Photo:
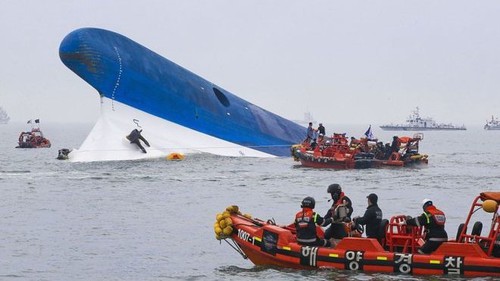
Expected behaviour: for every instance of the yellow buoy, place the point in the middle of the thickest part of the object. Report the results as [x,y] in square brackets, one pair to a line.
[227,230]
[175,156]
[219,217]
[222,224]
[232,209]
[489,206]
[218,230]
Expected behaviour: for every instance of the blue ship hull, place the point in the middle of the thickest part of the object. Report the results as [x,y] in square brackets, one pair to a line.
[128,73]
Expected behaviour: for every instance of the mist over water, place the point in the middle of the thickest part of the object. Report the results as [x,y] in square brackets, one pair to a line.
[152,219]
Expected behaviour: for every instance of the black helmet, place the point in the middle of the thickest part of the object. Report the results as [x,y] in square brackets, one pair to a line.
[334,188]
[308,202]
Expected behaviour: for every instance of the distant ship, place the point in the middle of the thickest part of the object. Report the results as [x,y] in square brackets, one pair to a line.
[4,118]
[493,124]
[417,123]
[177,110]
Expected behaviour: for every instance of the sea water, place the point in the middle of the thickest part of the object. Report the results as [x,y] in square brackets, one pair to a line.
[153,219]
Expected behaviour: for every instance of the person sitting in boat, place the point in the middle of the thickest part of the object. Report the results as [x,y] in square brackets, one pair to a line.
[433,220]
[354,143]
[321,139]
[387,151]
[372,217]
[135,136]
[313,144]
[340,212]
[305,224]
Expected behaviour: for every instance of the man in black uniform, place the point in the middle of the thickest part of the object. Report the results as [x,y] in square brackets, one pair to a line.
[372,217]
[135,136]
[321,129]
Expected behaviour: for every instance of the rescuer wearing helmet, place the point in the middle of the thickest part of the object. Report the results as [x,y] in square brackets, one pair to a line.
[433,219]
[340,212]
[305,224]
[372,217]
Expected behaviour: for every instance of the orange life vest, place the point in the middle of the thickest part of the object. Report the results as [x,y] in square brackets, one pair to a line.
[305,225]
[437,216]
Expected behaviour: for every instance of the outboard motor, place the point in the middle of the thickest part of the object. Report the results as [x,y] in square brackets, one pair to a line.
[63,154]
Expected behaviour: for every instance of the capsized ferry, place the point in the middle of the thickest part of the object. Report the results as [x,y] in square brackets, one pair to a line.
[415,122]
[473,253]
[178,111]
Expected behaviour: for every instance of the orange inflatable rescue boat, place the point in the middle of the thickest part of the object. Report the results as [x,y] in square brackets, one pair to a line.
[395,251]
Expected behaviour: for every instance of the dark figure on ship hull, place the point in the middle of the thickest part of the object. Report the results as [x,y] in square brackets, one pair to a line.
[433,219]
[340,212]
[135,137]
[305,224]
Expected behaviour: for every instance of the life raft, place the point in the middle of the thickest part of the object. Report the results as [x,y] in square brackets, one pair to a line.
[175,156]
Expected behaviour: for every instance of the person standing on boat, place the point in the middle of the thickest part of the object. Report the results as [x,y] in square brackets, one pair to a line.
[395,144]
[321,129]
[305,224]
[340,212]
[433,219]
[372,217]
[309,132]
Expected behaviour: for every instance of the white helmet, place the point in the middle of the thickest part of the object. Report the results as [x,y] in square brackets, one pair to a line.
[426,201]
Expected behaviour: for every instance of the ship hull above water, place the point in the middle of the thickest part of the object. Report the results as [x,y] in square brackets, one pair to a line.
[136,83]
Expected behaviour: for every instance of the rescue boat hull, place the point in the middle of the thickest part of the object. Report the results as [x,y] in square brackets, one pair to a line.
[271,245]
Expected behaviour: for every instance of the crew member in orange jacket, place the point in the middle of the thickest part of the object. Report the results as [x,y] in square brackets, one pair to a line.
[433,219]
[305,224]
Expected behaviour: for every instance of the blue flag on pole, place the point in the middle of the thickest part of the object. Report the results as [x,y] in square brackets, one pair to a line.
[368,133]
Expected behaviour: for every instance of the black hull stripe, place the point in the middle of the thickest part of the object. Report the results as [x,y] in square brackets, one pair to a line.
[389,263]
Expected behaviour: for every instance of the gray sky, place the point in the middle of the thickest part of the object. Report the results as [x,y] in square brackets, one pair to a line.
[354,62]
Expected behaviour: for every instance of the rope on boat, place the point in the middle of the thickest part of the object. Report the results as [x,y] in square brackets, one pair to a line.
[236,247]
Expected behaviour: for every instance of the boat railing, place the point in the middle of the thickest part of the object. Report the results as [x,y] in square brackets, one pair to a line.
[401,237]
[491,243]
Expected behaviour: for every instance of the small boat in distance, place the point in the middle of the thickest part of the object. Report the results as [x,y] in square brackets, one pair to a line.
[416,123]
[33,138]
[4,118]
[493,124]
